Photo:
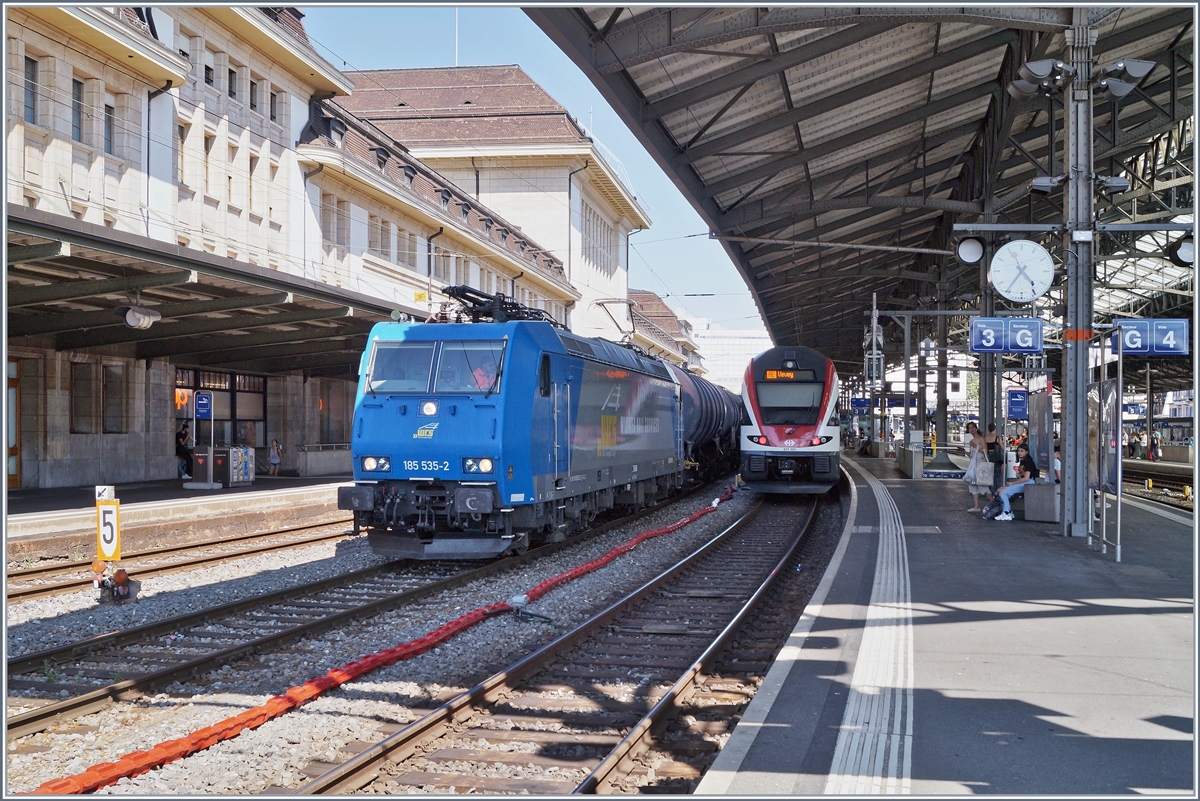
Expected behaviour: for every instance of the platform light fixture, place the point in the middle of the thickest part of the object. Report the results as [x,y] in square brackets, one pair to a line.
[1045,77]
[1112,184]
[1122,78]
[138,317]
[1045,184]
[969,250]
[1182,251]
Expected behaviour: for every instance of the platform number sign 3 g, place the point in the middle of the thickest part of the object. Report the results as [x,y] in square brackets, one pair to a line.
[108,525]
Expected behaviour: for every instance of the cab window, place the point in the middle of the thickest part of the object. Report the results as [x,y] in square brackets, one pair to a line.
[469,367]
[400,367]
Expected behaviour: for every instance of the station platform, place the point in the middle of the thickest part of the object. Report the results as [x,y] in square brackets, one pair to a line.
[946,654]
[64,518]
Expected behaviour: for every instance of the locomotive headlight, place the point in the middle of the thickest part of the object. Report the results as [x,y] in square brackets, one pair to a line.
[757,440]
[481,465]
[371,464]
[428,408]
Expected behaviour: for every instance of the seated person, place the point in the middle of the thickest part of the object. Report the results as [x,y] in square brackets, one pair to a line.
[1027,473]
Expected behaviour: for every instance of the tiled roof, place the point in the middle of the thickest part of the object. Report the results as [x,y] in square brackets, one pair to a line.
[652,307]
[451,105]
[361,142]
[289,19]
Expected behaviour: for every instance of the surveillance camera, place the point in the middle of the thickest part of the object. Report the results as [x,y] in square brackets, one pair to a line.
[138,316]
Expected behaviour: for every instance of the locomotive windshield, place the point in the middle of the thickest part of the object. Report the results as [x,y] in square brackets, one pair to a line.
[790,404]
[469,367]
[401,367]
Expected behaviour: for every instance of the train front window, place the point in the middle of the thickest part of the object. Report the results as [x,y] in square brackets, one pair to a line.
[790,404]
[400,367]
[470,367]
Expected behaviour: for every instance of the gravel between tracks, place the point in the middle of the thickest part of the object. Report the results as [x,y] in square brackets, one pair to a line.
[42,623]
[276,753]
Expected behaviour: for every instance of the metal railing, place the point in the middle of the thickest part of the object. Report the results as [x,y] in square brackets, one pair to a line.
[617,167]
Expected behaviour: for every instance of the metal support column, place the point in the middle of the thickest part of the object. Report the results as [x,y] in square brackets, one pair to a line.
[943,362]
[1078,249]
[987,361]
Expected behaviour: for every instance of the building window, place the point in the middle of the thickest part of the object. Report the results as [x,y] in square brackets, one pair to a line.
[274,104]
[406,248]
[209,141]
[250,182]
[599,241]
[337,131]
[208,75]
[954,386]
[233,83]
[110,114]
[381,157]
[335,220]
[112,399]
[379,237]
[441,264]
[254,95]
[343,223]
[446,199]
[183,132]
[77,110]
[487,225]
[31,89]
[83,398]
[466,212]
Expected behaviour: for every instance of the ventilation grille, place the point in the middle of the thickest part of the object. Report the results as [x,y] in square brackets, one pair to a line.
[758,464]
[820,464]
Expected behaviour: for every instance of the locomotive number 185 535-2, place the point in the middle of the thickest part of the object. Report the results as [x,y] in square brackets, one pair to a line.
[414,464]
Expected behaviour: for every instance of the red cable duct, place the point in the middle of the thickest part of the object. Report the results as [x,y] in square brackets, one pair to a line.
[139,762]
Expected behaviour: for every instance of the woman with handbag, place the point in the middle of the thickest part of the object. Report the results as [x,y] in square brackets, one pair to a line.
[978,468]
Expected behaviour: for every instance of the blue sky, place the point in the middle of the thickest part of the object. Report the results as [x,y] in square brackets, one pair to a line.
[661,259]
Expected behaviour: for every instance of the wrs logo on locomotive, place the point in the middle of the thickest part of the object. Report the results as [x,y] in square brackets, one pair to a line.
[425,431]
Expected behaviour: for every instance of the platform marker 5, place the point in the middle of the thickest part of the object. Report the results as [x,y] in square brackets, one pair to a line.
[108,530]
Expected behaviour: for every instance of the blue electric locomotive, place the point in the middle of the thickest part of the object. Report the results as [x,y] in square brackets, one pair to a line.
[475,439]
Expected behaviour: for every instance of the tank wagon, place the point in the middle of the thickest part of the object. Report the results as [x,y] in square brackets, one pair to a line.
[790,436]
[475,438]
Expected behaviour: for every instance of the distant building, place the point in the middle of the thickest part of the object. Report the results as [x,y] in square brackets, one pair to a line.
[657,328]
[727,352]
[509,146]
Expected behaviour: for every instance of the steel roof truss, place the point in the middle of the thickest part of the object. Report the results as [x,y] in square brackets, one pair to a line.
[207,325]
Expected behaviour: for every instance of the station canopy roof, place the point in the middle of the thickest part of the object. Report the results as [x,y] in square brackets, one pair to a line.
[67,280]
[799,131]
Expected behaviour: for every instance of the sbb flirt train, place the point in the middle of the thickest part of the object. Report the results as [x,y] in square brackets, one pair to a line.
[790,435]
[476,438]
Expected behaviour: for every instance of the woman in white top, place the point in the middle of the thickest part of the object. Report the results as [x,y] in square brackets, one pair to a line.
[978,450]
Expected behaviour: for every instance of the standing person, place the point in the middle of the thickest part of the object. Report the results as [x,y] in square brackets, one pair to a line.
[995,454]
[1125,443]
[183,450]
[274,458]
[1027,473]
[978,450]
[1155,442]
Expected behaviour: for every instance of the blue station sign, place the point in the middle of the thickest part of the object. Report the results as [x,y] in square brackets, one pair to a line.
[1018,404]
[203,405]
[1153,337]
[1006,335]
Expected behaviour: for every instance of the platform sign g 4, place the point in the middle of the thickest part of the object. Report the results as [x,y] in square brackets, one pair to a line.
[108,530]
[1154,337]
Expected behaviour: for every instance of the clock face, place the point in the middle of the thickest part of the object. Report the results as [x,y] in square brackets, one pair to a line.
[1021,270]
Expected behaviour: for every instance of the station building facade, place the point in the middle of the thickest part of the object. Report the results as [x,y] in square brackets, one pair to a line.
[506,143]
[182,161]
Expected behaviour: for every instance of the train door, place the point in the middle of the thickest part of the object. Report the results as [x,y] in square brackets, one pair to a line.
[13,424]
[556,388]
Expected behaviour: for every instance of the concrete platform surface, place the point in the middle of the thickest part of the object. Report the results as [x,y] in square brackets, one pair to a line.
[945,654]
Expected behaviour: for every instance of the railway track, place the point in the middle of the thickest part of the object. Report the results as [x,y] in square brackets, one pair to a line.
[123,665]
[39,582]
[574,715]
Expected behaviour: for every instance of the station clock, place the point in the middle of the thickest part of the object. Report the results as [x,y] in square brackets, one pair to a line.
[1021,271]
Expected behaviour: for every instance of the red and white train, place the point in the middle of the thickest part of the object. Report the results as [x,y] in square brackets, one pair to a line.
[790,434]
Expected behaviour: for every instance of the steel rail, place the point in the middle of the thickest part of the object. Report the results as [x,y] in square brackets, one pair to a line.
[637,739]
[18,594]
[42,717]
[359,770]
[31,572]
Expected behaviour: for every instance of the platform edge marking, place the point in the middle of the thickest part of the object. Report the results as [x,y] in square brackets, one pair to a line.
[867,758]
[724,769]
